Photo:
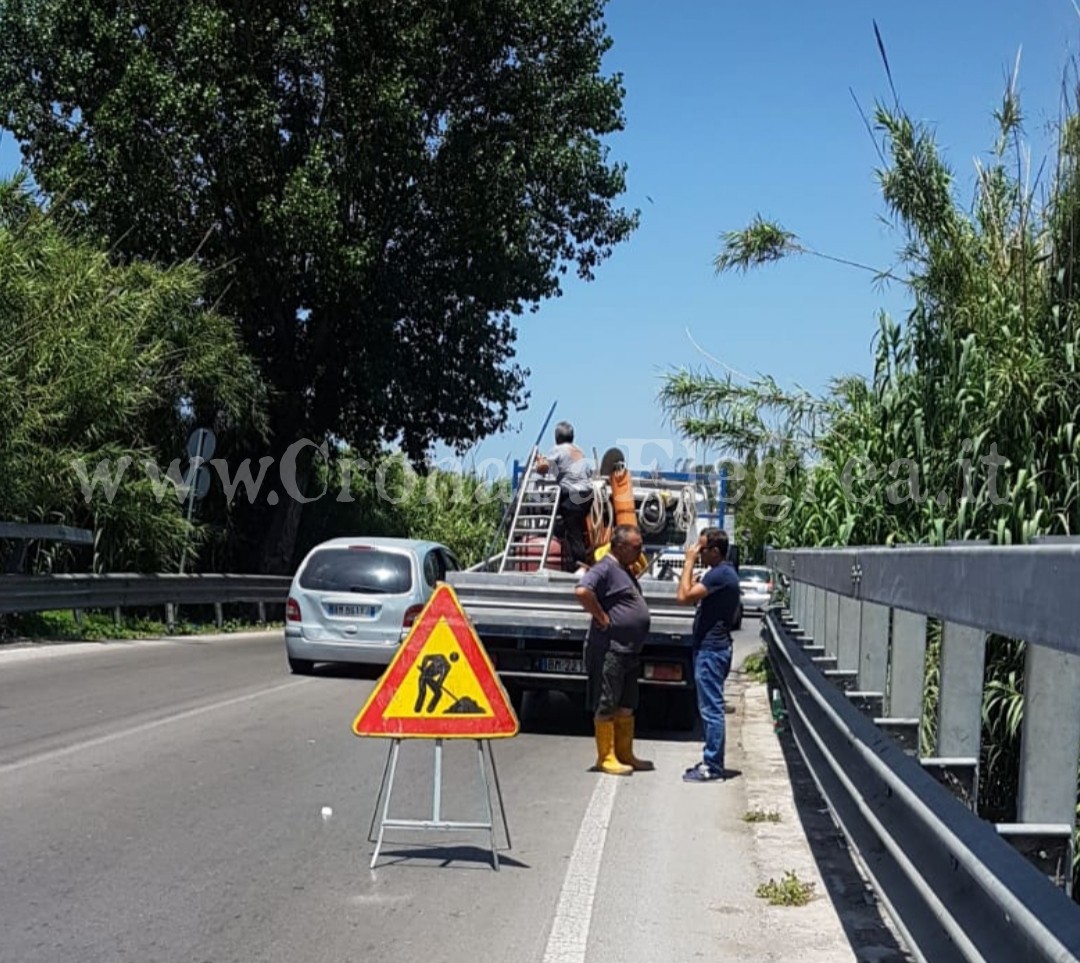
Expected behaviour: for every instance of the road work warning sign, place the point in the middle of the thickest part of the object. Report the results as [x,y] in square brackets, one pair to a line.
[441,684]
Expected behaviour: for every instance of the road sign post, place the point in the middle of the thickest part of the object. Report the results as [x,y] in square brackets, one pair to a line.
[200,446]
[414,699]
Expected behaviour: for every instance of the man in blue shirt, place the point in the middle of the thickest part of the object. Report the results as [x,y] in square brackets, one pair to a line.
[716,595]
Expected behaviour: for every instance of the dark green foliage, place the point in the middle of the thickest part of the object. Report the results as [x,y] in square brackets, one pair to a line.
[381,185]
[97,361]
[389,498]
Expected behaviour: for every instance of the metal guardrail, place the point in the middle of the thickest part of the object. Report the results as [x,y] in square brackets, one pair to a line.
[850,651]
[22,534]
[1023,592]
[18,531]
[39,593]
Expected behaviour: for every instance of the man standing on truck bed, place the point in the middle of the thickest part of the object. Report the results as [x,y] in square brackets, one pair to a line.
[716,595]
[575,493]
[620,624]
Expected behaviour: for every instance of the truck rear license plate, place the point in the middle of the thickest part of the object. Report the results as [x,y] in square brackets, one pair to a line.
[571,666]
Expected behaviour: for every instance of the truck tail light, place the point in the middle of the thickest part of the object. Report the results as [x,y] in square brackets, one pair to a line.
[663,671]
[292,611]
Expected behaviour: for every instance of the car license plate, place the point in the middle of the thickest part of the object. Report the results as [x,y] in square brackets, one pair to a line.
[353,611]
[571,666]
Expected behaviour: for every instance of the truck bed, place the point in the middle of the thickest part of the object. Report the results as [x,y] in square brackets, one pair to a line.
[542,605]
[534,629]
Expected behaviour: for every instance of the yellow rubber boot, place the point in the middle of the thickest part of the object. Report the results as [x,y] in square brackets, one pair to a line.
[624,745]
[606,760]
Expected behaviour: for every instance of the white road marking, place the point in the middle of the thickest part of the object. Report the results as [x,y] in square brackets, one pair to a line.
[145,727]
[569,935]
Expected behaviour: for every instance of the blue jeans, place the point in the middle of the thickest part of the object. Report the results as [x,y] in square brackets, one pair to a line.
[711,667]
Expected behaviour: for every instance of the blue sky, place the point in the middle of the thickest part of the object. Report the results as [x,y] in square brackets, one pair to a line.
[739,108]
[736,108]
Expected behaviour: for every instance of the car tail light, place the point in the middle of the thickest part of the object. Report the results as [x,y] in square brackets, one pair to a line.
[411,614]
[663,672]
[292,611]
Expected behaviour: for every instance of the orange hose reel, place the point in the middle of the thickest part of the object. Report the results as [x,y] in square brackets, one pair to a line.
[622,497]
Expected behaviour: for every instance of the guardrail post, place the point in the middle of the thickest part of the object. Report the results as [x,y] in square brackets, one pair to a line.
[847,651]
[1049,737]
[907,665]
[819,616]
[832,623]
[219,614]
[262,613]
[874,648]
[963,657]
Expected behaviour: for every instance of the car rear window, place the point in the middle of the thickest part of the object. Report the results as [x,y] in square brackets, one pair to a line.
[754,575]
[352,570]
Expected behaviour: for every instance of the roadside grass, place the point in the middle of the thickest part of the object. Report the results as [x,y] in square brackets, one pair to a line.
[761,816]
[101,626]
[790,891]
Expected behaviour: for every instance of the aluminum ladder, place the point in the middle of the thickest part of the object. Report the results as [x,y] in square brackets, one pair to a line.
[534,518]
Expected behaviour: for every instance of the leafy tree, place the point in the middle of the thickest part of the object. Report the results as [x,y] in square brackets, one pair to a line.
[98,366]
[752,489]
[381,186]
[457,508]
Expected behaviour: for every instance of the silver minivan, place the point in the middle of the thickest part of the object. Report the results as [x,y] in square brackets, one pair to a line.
[755,586]
[354,599]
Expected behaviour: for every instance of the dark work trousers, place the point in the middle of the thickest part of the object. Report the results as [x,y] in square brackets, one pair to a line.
[574,509]
[612,679]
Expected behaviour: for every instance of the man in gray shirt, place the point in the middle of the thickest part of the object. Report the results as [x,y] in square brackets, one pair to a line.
[575,493]
[620,624]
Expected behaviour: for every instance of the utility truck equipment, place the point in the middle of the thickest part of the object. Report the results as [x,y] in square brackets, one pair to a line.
[523,606]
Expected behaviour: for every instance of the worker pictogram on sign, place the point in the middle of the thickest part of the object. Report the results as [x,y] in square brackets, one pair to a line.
[441,683]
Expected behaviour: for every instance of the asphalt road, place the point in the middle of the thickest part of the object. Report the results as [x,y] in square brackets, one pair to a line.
[164,801]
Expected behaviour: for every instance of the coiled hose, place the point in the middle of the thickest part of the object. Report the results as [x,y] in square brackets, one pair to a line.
[685,511]
[602,513]
[656,523]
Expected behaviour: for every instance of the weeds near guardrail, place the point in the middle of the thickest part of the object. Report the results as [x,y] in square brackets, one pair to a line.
[756,665]
[790,891]
[761,816]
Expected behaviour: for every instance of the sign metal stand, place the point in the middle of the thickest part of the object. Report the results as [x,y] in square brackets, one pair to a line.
[437,822]
[408,703]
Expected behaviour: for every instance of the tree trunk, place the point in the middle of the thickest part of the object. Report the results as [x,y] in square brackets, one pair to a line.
[279,541]
[266,529]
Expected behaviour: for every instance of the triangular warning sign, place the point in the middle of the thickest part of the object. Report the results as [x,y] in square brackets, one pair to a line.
[441,683]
